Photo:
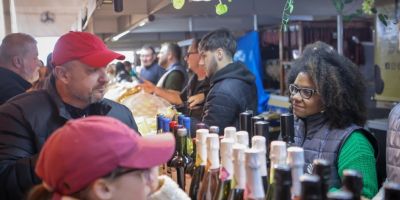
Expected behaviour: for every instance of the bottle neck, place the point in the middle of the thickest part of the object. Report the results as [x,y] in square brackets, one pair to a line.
[213,158]
[254,182]
[182,145]
[226,171]
[201,154]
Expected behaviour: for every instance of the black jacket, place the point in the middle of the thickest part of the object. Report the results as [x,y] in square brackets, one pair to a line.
[232,91]
[11,84]
[26,121]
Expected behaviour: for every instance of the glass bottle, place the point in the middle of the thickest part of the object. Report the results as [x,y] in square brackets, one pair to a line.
[283,182]
[180,161]
[295,160]
[254,187]
[392,191]
[242,137]
[209,184]
[245,122]
[310,187]
[159,122]
[239,173]
[322,169]
[200,164]
[287,128]
[352,182]
[254,119]
[258,143]
[278,157]
[339,195]
[226,170]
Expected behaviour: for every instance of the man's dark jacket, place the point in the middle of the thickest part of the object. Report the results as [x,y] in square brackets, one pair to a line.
[26,121]
[11,84]
[232,91]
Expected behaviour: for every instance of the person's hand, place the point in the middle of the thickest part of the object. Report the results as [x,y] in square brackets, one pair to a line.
[148,86]
[196,100]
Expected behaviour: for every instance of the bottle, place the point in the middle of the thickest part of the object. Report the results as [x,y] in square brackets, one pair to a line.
[261,128]
[159,123]
[226,170]
[190,147]
[180,119]
[200,164]
[339,195]
[283,182]
[239,173]
[165,127]
[229,132]
[322,169]
[255,119]
[287,128]
[201,125]
[295,160]
[181,160]
[310,187]
[352,182]
[278,157]
[254,187]
[258,143]
[245,122]
[209,184]
[392,191]
[242,137]
[214,129]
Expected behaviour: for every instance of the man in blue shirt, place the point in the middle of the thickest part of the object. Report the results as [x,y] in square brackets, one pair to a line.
[150,71]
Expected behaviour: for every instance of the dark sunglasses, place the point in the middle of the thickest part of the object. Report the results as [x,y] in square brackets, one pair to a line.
[305,93]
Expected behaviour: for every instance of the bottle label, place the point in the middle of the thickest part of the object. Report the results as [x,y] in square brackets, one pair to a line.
[223,174]
[198,160]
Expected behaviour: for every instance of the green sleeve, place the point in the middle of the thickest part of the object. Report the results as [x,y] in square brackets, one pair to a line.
[174,81]
[357,153]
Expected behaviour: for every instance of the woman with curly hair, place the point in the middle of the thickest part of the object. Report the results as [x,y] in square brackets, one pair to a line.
[326,96]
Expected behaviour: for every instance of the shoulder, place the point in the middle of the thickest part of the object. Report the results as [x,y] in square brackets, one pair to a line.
[114,105]
[27,100]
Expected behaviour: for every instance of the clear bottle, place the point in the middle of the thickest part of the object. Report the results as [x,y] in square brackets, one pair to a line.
[295,160]
[254,187]
[310,187]
[339,195]
[239,173]
[226,170]
[258,143]
[283,182]
[322,169]
[209,184]
[392,191]
[278,157]
[200,164]
[352,182]
[287,128]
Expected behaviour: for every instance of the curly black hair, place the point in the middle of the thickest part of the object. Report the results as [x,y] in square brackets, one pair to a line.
[338,81]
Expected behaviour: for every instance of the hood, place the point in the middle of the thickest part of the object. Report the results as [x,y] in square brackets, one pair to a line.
[235,70]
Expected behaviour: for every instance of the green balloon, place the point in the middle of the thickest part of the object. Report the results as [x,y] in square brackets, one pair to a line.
[178,4]
[221,9]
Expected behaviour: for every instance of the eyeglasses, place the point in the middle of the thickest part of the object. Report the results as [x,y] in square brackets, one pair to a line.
[189,53]
[305,93]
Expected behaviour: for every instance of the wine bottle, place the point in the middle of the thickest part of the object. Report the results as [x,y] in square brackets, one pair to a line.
[261,128]
[209,184]
[226,170]
[159,122]
[339,195]
[295,160]
[254,119]
[214,129]
[322,169]
[287,128]
[239,173]
[165,127]
[392,191]
[310,187]
[201,161]
[229,132]
[254,187]
[352,182]
[180,119]
[258,143]
[283,182]
[242,137]
[181,161]
[190,147]
[278,157]
[245,122]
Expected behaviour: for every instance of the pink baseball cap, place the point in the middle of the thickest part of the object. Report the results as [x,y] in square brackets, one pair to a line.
[86,149]
[84,47]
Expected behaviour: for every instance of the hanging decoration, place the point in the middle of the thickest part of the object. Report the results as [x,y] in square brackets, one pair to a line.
[221,8]
[287,11]
[178,4]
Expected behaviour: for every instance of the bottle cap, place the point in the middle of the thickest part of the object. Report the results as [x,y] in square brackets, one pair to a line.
[212,141]
[258,142]
[295,156]
[182,132]
[201,135]
[242,137]
[278,150]
[229,132]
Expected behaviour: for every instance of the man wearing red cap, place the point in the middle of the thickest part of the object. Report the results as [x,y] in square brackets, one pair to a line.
[75,89]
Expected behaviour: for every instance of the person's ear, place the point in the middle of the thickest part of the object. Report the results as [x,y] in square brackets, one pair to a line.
[220,54]
[17,61]
[62,74]
[102,189]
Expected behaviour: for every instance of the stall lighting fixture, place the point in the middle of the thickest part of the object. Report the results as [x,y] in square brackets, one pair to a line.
[115,38]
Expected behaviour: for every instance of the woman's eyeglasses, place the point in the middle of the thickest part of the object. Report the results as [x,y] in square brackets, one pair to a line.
[189,53]
[305,93]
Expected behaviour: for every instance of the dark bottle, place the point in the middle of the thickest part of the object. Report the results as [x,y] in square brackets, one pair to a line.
[278,157]
[181,160]
[283,182]
[245,122]
[295,160]
[254,187]
[239,175]
[392,191]
[352,182]
[159,123]
[200,164]
[258,143]
[209,184]
[287,128]
[339,195]
[255,119]
[322,169]
[190,146]
[310,187]
[226,170]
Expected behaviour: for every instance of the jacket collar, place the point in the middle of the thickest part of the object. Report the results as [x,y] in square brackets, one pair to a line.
[312,124]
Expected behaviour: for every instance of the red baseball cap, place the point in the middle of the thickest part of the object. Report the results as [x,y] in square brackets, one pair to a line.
[86,149]
[84,47]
